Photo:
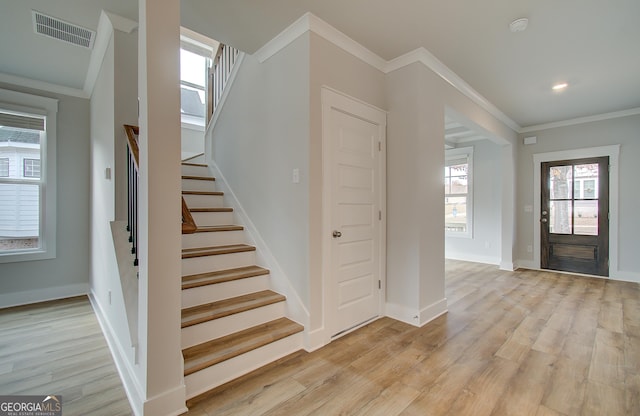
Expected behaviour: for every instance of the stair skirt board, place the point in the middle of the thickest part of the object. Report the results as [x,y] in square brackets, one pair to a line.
[225,371]
[215,238]
[220,262]
[203,219]
[220,291]
[200,333]
[204,201]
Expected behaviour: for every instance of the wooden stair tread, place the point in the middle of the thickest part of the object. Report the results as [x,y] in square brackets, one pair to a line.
[212,209]
[216,193]
[213,352]
[188,253]
[215,310]
[199,178]
[214,228]
[201,165]
[221,276]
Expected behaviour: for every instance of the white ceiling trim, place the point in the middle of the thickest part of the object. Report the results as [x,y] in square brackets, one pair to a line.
[430,61]
[42,85]
[581,120]
[310,22]
[106,25]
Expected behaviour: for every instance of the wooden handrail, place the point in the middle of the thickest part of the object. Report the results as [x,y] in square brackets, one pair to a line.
[132,139]
[188,224]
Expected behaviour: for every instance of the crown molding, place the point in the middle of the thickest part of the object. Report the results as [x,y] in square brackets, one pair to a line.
[311,23]
[42,85]
[430,61]
[106,25]
[581,120]
[284,38]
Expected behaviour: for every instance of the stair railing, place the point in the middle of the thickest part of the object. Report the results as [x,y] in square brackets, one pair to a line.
[219,74]
[133,180]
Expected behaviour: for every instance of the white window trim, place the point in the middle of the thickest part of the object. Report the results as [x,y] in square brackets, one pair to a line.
[452,154]
[48,107]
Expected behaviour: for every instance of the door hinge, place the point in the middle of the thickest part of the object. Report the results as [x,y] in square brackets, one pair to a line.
[380,215]
[379,284]
[379,146]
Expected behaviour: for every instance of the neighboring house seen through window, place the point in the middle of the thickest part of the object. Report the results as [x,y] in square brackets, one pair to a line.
[458,191]
[31,168]
[27,177]
[4,167]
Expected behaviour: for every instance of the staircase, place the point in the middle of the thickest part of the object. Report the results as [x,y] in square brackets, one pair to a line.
[232,323]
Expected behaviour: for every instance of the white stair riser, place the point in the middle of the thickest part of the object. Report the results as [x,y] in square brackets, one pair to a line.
[204,219]
[198,185]
[219,291]
[195,170]
[214,376]
[219,262]
[216,238]
[206,331]
[204,201]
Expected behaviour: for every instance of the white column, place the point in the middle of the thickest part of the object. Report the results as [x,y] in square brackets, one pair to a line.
[160,355]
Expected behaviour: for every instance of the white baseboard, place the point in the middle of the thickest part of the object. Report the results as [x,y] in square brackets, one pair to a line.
[625,276]
[507,266]
[169,403]
[620,275]
[415,317]
[42,295]
[473,258]
[124,365]
[433,311]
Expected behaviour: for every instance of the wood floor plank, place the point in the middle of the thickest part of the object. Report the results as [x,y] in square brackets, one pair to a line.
[58,348]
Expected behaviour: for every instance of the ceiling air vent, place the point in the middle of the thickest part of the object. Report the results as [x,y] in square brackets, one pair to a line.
[61,30]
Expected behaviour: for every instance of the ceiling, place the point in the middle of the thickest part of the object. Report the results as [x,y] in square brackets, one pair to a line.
[590,44]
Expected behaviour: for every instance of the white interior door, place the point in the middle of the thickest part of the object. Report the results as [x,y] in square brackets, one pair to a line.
[353,141]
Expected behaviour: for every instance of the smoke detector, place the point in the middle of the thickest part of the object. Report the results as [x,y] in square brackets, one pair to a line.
[59,29]
[519,25]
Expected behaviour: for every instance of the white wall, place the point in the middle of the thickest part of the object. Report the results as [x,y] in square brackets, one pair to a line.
[192,140]
[624,131]
[262,134]
[417,99]
[68,273]
[484,246]
[332,67]
[113,103]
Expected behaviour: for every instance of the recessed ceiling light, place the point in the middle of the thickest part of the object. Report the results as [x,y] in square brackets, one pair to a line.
[560,86]
[519,25]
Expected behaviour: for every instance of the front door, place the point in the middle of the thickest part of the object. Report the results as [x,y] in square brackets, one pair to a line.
[353,143]
[574,217]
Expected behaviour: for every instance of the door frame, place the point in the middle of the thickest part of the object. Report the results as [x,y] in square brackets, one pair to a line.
[613,152]
[331,98]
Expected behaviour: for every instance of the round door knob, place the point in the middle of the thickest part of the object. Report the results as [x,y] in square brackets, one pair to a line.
[543,220]
[337,234]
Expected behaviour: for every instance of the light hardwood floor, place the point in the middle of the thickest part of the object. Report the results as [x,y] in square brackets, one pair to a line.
[58,348]
[513,343]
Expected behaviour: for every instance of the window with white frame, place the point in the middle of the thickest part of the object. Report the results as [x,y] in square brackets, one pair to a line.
[31,168]
[4,167]
[27,176]
[458,192]
[194,64]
